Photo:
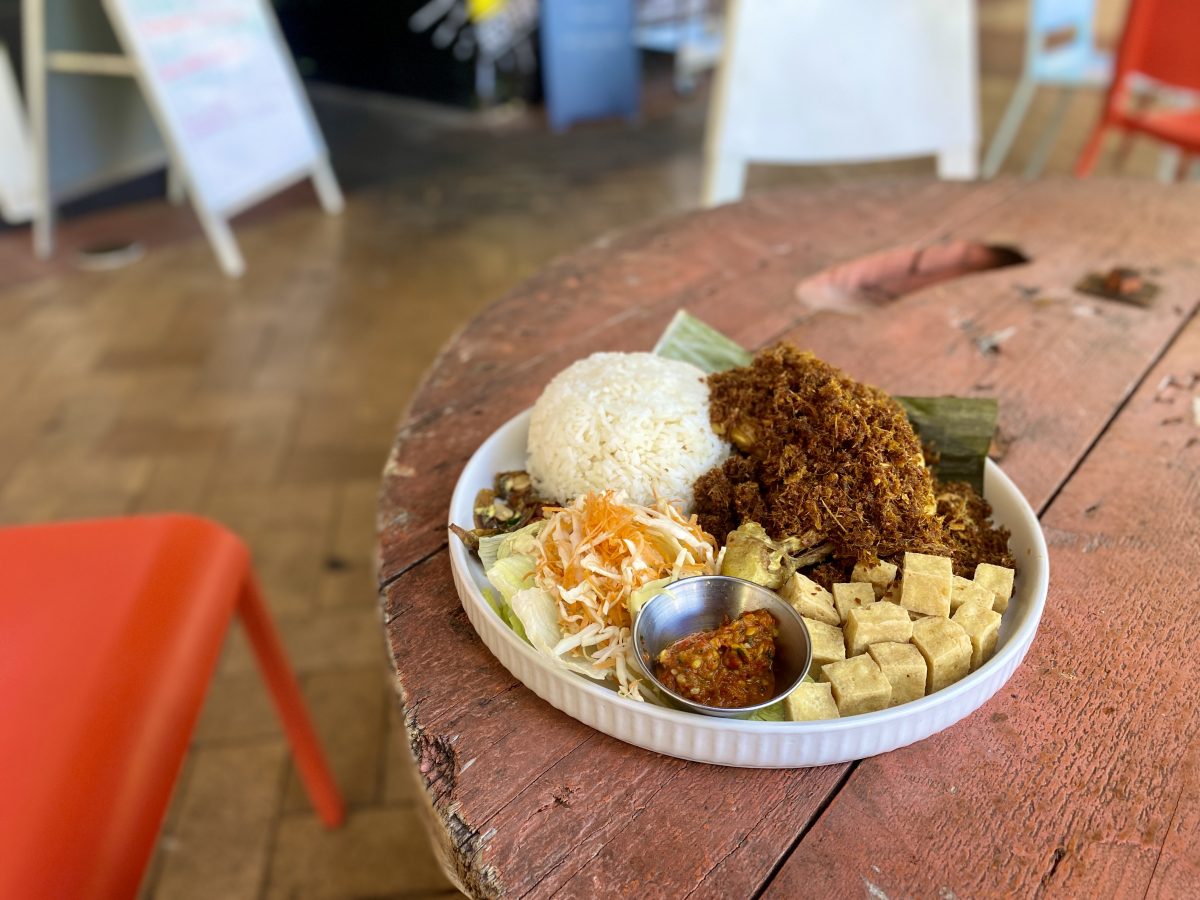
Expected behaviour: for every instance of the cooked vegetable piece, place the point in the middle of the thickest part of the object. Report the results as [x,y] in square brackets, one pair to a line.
[904,667]
[858,685]
[875,623]
[946,648]
[811,701]
[964,590]
[998,580]
[880,576]
[851,596]
[926,584]
[828,643]
[728,668]
[982,625]
[509,505]
[752,555]
[810,599]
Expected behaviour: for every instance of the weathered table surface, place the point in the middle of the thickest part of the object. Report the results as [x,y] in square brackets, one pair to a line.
[1080,778]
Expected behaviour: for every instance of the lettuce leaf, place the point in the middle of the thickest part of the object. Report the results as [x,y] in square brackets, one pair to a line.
[773,713]
[638,598]
[504,611]
[511,574]
[497,546]
[538,612]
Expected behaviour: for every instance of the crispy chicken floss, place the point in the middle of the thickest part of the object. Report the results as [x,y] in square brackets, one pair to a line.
[822,458]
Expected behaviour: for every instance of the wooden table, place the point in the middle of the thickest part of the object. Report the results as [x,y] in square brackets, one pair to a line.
[1080,778]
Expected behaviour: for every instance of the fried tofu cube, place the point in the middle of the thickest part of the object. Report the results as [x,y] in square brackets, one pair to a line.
[998,580]
[926,585]
[873,624]
[946,648]
[851,596]
[964,590]
[858,685]
[903,666]
[982,625]
[880,576]
[828,644]
[810,599]
[810,701]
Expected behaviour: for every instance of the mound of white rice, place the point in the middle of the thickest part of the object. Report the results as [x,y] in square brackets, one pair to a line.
[623,421]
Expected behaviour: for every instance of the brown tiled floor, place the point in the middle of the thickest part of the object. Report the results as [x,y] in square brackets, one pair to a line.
[269,404]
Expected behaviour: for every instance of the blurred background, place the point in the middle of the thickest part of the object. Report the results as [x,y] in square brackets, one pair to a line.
[473,140]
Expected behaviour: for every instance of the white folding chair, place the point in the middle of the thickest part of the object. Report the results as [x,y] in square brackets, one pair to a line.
[825,81]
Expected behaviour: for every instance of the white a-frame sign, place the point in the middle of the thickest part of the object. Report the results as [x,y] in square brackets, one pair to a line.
[227,99]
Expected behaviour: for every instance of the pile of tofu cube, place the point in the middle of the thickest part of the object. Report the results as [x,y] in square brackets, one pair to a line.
[894,634]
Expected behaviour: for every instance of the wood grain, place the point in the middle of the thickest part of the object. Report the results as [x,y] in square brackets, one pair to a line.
[1080,777]
[545,804]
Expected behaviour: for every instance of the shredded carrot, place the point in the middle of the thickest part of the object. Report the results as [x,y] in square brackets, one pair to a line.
[597,551]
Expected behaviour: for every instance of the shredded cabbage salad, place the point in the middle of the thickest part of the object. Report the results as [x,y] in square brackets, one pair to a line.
[574,581]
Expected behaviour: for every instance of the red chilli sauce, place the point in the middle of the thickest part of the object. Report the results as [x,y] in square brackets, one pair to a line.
[728,668]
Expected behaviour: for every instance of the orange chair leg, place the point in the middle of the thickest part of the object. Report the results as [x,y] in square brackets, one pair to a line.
[1185,167]
[289,702]
[1087,159]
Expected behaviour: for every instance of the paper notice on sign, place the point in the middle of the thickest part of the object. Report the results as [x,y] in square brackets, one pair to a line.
[218,73]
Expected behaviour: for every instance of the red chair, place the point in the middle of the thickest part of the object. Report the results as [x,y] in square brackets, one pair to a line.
[1161,41]
[109,634]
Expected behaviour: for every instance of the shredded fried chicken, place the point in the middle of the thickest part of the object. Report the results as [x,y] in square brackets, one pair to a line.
[823,457]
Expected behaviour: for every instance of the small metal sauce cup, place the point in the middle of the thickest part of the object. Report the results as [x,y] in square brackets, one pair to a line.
[705,603]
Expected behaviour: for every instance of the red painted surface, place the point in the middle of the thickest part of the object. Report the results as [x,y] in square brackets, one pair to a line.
[527,800]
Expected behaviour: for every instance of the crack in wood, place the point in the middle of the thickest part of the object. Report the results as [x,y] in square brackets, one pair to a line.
[1055,858]
[1166,837]
[462,844]
[392,579]
[808,826]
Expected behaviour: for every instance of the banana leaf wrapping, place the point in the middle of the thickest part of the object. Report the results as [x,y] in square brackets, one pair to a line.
[959,429]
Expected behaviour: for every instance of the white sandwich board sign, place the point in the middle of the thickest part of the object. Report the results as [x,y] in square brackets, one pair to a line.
[229,103]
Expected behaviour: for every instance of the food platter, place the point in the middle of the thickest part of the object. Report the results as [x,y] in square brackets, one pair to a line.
[738,742]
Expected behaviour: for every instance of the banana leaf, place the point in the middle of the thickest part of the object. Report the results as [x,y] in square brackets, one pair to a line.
[960,429]
[689,340]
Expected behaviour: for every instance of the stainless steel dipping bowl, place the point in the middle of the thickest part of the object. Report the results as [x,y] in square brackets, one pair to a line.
[705,603]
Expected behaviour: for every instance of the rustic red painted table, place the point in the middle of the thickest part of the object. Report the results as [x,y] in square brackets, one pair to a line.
[1080,778]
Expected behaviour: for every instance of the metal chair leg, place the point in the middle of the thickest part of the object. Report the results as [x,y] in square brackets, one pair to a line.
[1045,144]
[1010,124]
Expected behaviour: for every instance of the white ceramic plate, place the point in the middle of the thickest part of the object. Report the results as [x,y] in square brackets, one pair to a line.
[736,742]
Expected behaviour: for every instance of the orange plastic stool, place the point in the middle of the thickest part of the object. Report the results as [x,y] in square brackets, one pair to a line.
[1161,40]
[109,634]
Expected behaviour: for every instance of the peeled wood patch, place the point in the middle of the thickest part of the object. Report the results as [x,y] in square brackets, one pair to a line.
[865,283]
